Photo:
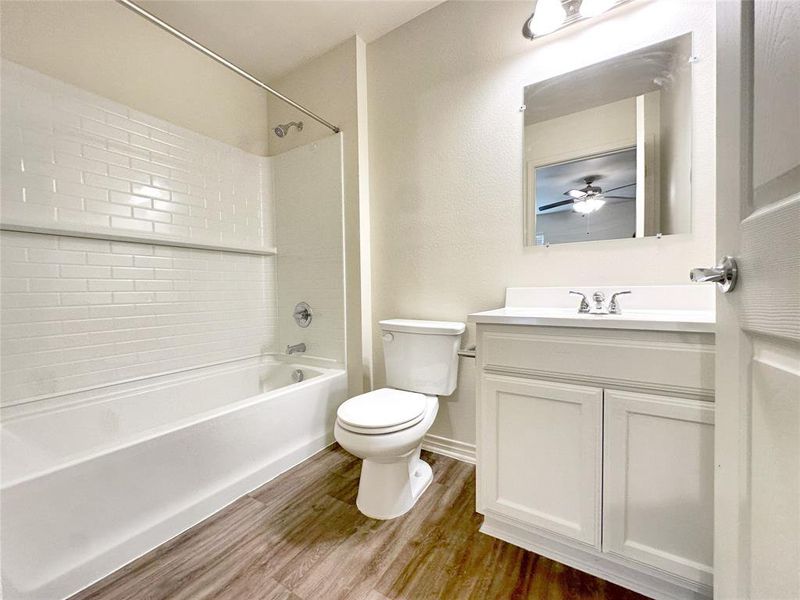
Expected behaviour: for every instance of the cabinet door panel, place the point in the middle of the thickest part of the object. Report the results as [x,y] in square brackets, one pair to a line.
[541,452]
[658,482]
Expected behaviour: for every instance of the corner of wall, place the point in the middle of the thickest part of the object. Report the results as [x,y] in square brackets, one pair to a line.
[364,214]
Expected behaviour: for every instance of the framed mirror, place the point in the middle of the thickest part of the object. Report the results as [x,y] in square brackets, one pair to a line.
[608,149]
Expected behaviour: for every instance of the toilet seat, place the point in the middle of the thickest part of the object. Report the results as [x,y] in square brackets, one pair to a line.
[382,411]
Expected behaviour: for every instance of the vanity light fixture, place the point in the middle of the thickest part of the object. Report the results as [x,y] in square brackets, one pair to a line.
[550,15]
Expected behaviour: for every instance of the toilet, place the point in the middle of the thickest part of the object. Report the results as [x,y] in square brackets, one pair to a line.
[385,427]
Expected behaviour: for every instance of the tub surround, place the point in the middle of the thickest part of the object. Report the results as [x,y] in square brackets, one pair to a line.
[75,162]
[85,313]
[310,235]
[142,384]
[106,292]
[108,301]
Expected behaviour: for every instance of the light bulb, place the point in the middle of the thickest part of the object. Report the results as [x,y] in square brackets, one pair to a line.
[589,205]
[548,16]
[591,8]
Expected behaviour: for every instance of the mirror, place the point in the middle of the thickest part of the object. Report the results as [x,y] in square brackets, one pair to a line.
[608,149]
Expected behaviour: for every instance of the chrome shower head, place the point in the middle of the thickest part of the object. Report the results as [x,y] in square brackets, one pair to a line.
[282,130]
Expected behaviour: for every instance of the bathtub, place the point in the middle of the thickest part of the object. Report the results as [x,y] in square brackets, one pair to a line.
[101,477]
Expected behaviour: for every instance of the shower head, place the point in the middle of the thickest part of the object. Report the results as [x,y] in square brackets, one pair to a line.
[282,130]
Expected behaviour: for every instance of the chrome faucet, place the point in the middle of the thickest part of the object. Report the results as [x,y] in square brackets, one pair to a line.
[613,305]
[292,349]
[599,297]
[584,307]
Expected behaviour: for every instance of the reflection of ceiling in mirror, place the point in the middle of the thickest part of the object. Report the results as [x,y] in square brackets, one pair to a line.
[610,170]
[625,76]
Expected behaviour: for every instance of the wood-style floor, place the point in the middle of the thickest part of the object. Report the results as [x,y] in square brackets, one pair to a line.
[301,537]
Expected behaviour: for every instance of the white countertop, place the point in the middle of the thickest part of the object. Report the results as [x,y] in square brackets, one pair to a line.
[658,320]
[655,308]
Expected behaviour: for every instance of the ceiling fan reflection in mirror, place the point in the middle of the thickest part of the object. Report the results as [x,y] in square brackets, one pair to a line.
[589,198]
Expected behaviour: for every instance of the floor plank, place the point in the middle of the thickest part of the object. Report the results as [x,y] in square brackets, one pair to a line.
[301,537]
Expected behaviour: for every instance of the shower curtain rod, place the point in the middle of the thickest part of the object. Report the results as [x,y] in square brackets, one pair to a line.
[211,54]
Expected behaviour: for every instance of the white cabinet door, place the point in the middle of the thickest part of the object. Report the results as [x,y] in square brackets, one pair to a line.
[658,482]
[540,454]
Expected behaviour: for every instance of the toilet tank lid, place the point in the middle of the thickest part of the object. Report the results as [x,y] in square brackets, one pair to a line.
[428,327]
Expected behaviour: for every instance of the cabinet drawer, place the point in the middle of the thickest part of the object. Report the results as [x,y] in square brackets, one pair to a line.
[672,362]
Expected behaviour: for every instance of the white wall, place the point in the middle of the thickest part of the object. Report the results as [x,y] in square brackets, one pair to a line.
[333,86]
[582,133]
[101,47]
[80,313]
[446,160]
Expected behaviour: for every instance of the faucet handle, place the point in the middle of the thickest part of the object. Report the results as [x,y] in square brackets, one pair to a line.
[598,297]
[613,305]
[584,307]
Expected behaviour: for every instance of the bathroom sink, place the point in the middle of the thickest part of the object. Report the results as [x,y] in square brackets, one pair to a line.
[661,308]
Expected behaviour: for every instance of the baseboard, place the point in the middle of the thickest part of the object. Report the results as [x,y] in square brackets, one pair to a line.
[453,448]
[662,587]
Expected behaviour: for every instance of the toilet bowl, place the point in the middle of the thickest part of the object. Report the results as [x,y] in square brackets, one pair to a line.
[393,476]
[385,427]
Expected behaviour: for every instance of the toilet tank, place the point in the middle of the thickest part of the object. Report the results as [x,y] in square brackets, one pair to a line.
[422,356]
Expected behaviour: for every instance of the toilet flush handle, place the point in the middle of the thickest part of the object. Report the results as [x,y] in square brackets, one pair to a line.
[388,337]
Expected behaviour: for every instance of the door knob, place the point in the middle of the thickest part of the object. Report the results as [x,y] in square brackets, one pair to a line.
[724,274]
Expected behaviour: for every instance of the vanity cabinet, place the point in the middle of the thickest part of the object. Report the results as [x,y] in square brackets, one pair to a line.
[550,429]
[658,482]
[595,448]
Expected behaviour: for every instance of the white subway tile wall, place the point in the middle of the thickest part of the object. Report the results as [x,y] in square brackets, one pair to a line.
[80,313]
[72,160]
[308,209]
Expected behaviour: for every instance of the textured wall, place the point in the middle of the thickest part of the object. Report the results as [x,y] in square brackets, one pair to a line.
[446,156]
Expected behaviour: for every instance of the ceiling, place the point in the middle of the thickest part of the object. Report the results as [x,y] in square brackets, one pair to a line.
[271,38]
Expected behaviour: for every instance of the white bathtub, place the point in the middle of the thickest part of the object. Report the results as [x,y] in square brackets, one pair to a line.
[110,474]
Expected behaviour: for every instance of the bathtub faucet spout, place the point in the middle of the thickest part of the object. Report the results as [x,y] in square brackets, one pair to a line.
[291,349]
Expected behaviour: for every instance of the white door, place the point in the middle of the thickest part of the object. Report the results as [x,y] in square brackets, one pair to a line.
[658,482]
[541,454]
[757,445]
